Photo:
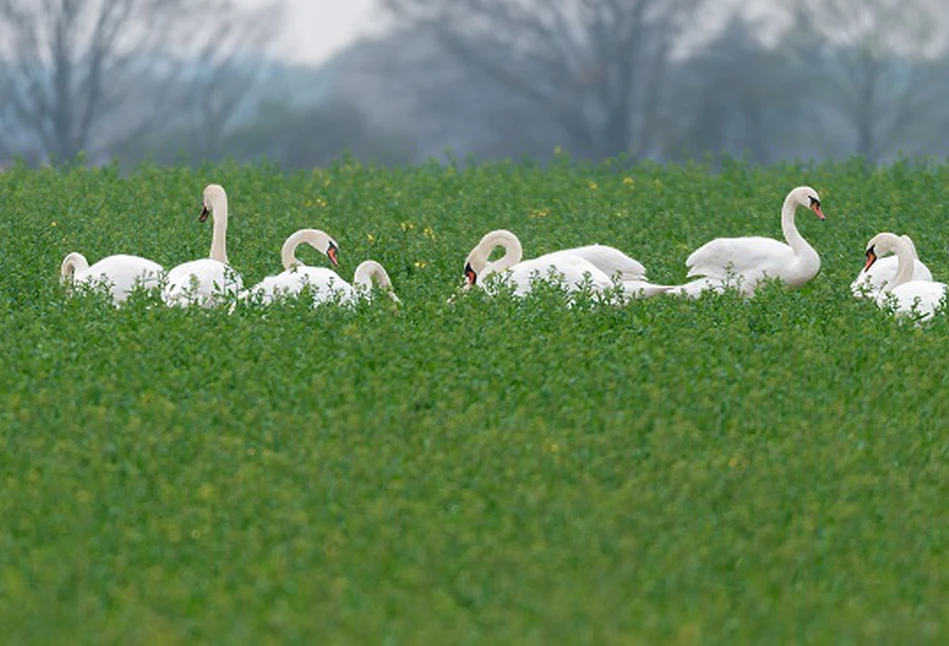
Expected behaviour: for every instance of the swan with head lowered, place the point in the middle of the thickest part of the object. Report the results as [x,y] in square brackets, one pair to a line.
[903,292]
[207,281]
[744,262]
[121,273]
[596,265]
[326,284]
[871,280]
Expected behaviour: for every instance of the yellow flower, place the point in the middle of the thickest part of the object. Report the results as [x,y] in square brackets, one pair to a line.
[370,237]
[406,225]
[321,201]
[53,224]
[629,180]
[420,264]
[593,186]
[206,491]
[429,232]
[540,213]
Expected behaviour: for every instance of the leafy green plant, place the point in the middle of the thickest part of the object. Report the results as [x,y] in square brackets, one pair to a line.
[468,469]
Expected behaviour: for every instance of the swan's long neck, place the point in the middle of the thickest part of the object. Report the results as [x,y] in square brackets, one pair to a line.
[369,270]
[219,235]
[288,253]
[72,263]
[500,238]
[905,261]
[801,248]
[313,237]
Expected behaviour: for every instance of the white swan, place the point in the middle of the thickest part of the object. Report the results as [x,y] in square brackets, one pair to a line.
[746,261]
[363,280]
[296,275]
[204,282]
[872,280]
[121,273]
[595,265]
[907,296]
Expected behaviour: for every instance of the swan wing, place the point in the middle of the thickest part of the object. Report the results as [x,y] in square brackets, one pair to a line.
[200,281]
[576,272]
[327,285]
[123,273]
[752,258]
[609,260]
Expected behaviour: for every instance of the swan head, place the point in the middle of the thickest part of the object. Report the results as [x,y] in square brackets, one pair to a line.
[213,195]
[319,240]
[471,276]
[476,264]
[808,197]
[880,245]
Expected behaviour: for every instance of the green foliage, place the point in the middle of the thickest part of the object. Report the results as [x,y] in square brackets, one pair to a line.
[481,471]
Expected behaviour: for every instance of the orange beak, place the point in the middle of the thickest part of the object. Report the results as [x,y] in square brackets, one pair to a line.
[871,258]
[470,275]
[204,213]
[815,207]
[331,254]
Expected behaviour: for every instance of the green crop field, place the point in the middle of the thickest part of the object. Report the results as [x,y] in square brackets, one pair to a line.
[485,471]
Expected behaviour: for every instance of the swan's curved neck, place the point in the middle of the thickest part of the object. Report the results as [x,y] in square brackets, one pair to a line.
[369,270]
[513,252]
[794,239]
[219,235]
[905,261]
[313,237]
[72,263]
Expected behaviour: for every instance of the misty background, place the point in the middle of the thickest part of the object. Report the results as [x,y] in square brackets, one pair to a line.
[192,81]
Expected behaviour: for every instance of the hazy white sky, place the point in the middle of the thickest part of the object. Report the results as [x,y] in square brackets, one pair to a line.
[316,29]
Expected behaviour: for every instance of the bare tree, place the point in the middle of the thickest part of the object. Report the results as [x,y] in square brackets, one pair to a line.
[875,59]
[596,69]
[90,75]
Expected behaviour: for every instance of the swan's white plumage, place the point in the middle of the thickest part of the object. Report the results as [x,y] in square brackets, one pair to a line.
[207,281]
[744,262]
[366,272]
[122,273]
[904,294]
[574,271]
[873,279]
[325,284]
[203,282]
[594,266]
[609,260]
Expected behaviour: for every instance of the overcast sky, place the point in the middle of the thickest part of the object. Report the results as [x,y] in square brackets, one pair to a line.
[316,29]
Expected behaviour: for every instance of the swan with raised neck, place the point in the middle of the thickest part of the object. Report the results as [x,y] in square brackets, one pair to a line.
[215,205]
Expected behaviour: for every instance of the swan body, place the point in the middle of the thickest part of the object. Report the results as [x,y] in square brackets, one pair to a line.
[903,293]
[326,284]
[296,276]
[746,261]
[206,281]
[593,265]
[122,273]
[872,280]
